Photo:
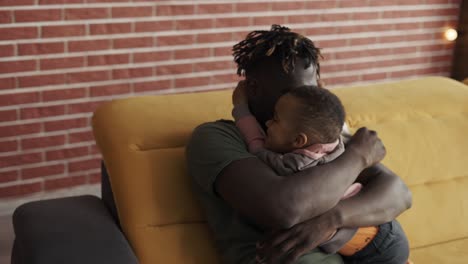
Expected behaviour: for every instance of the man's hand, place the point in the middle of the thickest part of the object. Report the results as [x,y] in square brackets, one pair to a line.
[240,93]
[368,145]
[286,246]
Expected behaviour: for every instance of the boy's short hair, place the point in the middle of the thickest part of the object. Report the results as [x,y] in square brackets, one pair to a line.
[321,113]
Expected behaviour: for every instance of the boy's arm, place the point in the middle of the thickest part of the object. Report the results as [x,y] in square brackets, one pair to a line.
[253,134]
[286,164]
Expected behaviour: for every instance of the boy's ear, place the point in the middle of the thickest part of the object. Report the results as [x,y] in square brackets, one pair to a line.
[300,141]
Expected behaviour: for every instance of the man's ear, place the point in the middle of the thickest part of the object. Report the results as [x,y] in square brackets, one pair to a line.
[300,141]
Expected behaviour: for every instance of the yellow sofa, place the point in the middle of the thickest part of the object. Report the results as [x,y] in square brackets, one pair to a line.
[423,123]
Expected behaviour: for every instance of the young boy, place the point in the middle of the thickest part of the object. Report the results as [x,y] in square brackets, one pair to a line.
[304,132]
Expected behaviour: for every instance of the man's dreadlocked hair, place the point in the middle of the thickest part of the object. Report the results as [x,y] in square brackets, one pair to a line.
[279,42]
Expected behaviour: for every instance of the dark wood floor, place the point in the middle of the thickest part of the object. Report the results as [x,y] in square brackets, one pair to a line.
[6,238]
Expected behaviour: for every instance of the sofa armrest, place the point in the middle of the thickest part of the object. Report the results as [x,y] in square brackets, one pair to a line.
[68,230]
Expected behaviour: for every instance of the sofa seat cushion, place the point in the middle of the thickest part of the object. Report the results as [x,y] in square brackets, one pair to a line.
[188,243]
[453,252]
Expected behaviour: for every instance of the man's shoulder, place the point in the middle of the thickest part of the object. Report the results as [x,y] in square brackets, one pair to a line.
[212,147]
[217,129]
[219,135]
[222,124]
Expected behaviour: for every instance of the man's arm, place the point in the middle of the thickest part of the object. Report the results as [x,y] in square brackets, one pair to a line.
[383,198]
[275,202]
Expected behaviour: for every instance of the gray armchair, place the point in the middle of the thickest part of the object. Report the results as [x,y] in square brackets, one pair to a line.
[80,229]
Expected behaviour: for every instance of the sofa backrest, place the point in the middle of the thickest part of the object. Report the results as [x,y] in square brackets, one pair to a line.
[422,123]
[142,140]
[424,126]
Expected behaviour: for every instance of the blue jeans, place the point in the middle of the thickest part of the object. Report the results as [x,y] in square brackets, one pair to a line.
[390,246]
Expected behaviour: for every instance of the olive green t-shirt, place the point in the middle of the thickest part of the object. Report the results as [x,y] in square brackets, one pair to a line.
[211,148]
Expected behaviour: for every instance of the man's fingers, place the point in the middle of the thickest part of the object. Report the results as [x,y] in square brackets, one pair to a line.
[277,245]
[302,248]
[278,237]
[295,254]
[283,249]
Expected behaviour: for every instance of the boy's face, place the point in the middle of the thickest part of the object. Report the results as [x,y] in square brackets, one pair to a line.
[281,128]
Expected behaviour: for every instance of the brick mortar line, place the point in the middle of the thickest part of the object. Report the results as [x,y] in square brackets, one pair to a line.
[111,97]
[374,58]
[72,101]
[45,149]
[226,44]
[117,66]
[77,6]
[119,81]
[348,37]
[72,174]
[46,119]
[34,165]
[192,89]
[215,30]
[228,85]
[420,43]
[228,15]
[183,3]
[177,62]
[47,134]
[21,181]
[47,163]
[119,51]
[128,4]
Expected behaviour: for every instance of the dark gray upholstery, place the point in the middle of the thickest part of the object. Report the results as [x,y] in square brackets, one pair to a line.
[80,229]
[107,195]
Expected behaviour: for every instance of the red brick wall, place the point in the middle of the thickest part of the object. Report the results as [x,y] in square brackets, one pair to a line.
[59,59]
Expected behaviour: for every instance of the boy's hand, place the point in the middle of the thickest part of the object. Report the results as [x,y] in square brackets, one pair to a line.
[240,94]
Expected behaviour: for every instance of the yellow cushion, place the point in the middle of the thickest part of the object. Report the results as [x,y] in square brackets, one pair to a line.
[453,252]
[142,139]
[424,125]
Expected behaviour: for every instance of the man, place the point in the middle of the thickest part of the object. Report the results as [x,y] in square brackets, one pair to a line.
[244,199]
